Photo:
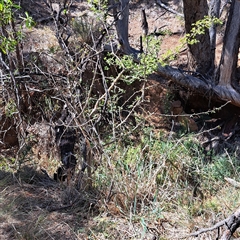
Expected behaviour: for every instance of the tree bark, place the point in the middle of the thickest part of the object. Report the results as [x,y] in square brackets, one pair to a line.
[229,58]
[214,10]
[200,56]
[206,88]
[121,16]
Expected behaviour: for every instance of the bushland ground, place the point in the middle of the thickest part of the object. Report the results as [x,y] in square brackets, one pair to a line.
[163,181]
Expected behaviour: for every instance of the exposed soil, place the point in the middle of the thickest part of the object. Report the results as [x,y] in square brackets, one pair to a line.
[64,213]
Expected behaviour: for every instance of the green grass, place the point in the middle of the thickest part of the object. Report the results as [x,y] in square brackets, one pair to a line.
[156,175]
[140,185]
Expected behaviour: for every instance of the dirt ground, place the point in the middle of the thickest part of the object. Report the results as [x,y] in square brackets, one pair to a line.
[34,207]
[44,209]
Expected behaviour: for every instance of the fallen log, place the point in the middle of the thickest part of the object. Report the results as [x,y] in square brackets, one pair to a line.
[200,84]
[231,224]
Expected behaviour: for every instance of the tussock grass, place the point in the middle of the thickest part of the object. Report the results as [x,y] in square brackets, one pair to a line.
[161,180]
[87,28]
[157,186]
[154,186]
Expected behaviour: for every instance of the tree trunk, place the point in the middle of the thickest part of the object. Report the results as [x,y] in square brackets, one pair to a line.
[200,55]
[214,10]
[121,16]
[229,58]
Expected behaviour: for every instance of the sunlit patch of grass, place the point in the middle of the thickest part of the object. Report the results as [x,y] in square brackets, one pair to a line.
[88,28]
[143,180]
[142,172]
[142,186]
[223,166]
[7,163]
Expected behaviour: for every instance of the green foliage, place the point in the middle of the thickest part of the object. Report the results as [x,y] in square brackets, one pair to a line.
[7,164]
[200,28]
[222,166]
[28,20]
[7,44]
[98,6]
[148,61]
[6,15]
[7,39]
[164,32]
[10,37]
[170,55]
[153,163]
[10,108]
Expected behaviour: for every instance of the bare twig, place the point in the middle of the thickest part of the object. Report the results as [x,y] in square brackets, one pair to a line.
[144,23]
[232,223]
[233,182]
[109,89]
[162,5]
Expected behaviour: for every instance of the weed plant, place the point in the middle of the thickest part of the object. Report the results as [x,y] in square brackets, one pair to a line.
[142,177]
[154,175]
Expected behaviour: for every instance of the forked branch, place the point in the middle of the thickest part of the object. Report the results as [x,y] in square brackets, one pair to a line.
[231,223]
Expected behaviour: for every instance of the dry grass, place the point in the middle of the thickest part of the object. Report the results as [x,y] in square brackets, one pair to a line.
[34,207]
[149,185]
[142,191]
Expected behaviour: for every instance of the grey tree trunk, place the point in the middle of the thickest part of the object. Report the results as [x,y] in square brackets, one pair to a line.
[121,16]
[229,58]
[214,11]
[200,56]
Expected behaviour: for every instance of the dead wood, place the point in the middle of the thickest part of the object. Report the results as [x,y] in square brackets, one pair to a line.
[231,223]
[200,84]
[121,17]
[164,6]
[233,182]
[214,8]
[229,60]
[144,22]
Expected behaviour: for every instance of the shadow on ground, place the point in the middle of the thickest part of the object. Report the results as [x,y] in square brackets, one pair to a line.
[35,207]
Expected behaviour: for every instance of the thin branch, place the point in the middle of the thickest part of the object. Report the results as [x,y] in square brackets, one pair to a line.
[233,182]
[203,230]
[162,5]
[232,223]
[109,89]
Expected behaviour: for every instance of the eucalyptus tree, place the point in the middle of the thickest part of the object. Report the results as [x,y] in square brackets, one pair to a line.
[220,80]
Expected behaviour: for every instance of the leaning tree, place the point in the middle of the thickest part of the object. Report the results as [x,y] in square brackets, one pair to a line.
[218,80]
